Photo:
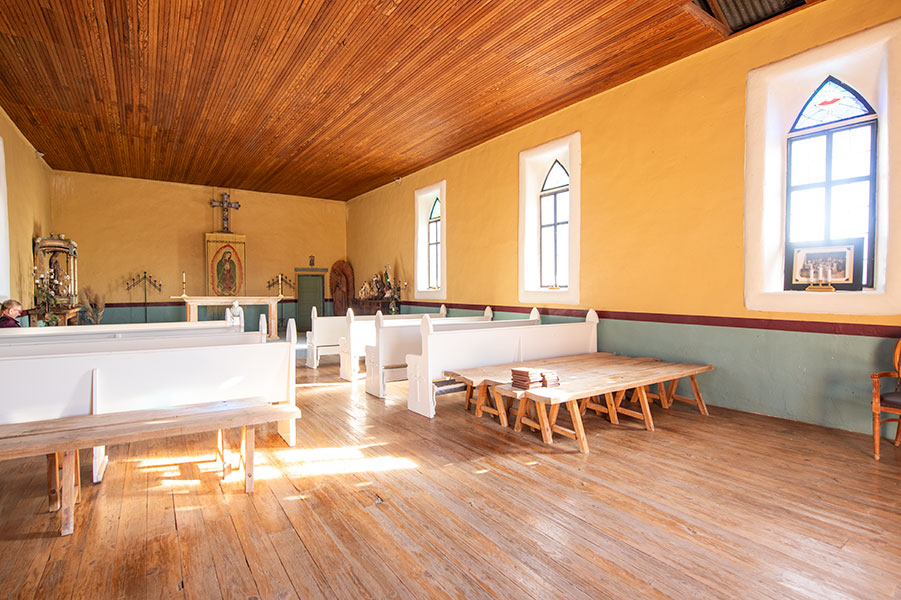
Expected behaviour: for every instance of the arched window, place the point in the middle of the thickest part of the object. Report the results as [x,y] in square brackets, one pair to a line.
[554,228]
[434,241]
[831,187]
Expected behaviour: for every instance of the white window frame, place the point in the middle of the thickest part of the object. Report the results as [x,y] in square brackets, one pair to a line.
[423,199]
[534,165]
[775,95]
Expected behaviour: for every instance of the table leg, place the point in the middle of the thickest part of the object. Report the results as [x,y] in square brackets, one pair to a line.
[645,408]
[611,408]
[468,398]
[520,413]
[480,401]
[546,434]
[501,409]
[577,426]
[702,406]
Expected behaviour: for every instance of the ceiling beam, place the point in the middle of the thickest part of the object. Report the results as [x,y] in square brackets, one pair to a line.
[704,18]
[718,13]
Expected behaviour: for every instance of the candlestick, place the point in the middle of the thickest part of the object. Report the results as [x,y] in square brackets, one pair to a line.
[183,281]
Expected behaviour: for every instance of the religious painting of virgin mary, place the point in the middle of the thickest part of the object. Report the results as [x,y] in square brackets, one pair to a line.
[225,264]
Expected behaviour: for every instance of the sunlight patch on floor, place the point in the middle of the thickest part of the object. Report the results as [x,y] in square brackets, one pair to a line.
[334,461]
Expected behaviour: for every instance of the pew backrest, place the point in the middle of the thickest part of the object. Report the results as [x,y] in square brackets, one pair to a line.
[325,333]
[394,341]
[458,349]
[31,335]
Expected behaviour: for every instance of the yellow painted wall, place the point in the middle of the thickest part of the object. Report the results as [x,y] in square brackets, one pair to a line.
[125,226]
[662,185]
[28,203]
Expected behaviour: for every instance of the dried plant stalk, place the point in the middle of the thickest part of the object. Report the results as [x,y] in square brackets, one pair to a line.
[93,304]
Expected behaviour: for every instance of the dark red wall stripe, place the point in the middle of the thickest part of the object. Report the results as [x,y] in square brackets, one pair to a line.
[886,331]
[179,303]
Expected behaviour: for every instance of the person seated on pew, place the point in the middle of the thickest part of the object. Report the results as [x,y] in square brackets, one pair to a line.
[9,312]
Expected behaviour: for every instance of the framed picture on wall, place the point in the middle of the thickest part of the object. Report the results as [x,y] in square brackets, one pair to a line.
[839,264]
[225,264]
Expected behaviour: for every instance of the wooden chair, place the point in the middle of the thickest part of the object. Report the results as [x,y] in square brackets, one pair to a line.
[889,402]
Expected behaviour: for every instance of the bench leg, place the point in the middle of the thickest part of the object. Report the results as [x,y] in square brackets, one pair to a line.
[67,512]
[77,477]
[220,451]
[53,481]
[247,442]
[468,398]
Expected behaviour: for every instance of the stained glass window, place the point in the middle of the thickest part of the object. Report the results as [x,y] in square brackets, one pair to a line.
[556,177]
[831,175]
[833,101]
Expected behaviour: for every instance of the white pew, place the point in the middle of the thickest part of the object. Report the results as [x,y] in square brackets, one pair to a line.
[386,359]
[459,349]
[31,335]
[361,334]
[326,332]
[150,374]
[68,346]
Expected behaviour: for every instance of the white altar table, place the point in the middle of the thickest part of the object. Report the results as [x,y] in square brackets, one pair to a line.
[192,302]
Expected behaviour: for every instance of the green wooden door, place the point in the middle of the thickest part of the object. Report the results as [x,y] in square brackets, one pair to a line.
[310,293]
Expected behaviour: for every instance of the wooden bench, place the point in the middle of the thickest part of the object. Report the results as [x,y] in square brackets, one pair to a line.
[70,434]
[109,376]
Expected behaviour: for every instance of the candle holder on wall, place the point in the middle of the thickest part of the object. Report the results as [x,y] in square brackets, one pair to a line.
[279,280]
[146,280]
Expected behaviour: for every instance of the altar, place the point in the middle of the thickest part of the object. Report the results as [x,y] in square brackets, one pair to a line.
[192,302]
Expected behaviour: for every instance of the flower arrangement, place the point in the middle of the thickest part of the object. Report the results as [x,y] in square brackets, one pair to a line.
[46,296]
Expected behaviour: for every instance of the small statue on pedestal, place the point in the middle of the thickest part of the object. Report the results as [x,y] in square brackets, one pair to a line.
[234,315]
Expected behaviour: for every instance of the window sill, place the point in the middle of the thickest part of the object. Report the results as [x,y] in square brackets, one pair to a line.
[561,296]
[870,302]
[438,294]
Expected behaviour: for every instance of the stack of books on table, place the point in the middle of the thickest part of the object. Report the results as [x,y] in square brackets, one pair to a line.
[526,379]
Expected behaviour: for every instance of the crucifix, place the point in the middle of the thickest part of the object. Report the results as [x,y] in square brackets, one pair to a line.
[224,204]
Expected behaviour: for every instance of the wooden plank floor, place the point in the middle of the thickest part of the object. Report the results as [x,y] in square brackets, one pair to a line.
[378,502]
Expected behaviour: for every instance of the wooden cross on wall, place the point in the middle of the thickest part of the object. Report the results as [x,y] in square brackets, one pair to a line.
[224,204]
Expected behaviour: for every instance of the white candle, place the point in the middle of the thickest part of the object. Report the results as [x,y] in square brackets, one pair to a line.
[821,278]
[182,276]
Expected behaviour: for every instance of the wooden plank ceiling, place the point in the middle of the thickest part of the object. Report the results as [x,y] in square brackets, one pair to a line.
[323,98]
